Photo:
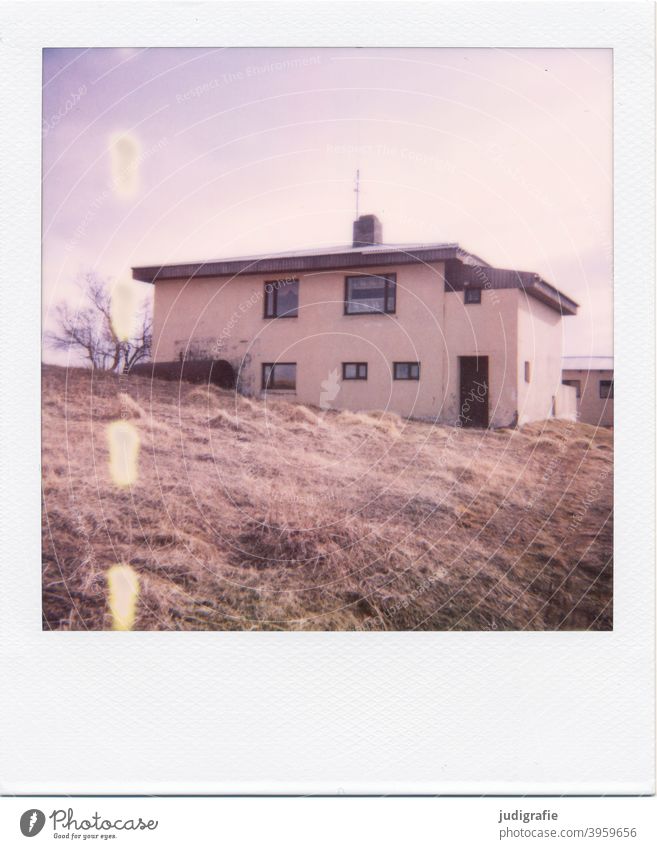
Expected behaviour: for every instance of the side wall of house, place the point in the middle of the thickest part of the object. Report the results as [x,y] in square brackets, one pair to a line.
[488,329]
[223,318]
[592,409]
[540,343]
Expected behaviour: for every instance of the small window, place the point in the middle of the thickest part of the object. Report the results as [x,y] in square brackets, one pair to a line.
[282,299]
[577,384]
[370,293]
[471,295]
[354,371]
[607,389]
[279,376]
[406,371]
[528,371]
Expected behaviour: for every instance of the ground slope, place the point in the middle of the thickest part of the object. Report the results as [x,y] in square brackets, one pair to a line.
[253,515]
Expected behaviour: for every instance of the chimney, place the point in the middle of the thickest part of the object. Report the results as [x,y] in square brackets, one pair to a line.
[367,231]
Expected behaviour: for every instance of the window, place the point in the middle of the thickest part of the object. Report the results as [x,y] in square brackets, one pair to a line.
[279,376]
[370,293]
[354,371]
[577,384]
[281,299]
[406,371]
[528,371]
[607,389]
[471,295]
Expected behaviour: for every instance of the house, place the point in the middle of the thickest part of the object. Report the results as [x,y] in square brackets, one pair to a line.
[593,379]
[424,330]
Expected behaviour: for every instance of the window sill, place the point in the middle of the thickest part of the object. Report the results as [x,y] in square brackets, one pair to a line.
[365,314]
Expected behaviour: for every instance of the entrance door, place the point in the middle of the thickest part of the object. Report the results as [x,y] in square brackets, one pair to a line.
[473,410]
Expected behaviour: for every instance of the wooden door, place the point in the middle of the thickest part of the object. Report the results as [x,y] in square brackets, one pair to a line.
[473,375]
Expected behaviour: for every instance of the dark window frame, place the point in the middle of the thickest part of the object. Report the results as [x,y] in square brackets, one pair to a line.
[359,367]
[471,295]
[267,385]
[609,384]
[390,282]
[276,286]
[410,367]
[528,371]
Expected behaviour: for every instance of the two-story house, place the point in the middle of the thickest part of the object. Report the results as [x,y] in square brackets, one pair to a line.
[424,330]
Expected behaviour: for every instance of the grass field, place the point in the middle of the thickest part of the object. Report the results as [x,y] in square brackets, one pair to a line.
[253,515]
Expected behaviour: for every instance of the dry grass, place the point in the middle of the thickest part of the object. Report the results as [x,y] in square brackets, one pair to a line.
[271,516]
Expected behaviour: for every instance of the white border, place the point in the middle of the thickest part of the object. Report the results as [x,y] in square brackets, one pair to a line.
[328,712]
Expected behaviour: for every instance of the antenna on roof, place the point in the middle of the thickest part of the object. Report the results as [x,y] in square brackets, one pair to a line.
[357,190]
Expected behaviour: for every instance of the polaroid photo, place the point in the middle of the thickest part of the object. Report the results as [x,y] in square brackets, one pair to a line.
[316,481]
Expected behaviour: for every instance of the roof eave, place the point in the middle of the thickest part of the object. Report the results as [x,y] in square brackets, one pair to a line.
[293,264]
[545,292]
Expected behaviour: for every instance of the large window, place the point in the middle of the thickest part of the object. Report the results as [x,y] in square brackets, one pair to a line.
[279,376]
[606,388]
[354,371]
[281,299]
[406,371]
[370,293]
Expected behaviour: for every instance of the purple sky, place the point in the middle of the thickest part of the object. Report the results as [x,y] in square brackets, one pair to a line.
[508,152]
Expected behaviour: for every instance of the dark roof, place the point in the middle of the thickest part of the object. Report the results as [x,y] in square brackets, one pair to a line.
[340,256]
[462,268]
[458,276]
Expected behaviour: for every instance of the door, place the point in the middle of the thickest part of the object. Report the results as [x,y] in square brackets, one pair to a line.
[473,374]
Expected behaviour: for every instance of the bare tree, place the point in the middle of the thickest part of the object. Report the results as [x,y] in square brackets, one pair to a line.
[88,331]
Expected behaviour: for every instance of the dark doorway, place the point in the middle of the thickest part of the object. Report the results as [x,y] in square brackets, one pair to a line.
[473,373]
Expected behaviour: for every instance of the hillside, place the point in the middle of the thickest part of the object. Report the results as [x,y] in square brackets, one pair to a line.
[254,515]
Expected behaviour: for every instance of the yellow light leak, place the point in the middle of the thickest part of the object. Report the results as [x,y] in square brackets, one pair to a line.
[123,583]
[124,308]
[124,153]
[123,439]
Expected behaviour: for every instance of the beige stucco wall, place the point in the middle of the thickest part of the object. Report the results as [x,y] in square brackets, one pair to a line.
[540,342]
[488,330]
[223,318]
[591,408]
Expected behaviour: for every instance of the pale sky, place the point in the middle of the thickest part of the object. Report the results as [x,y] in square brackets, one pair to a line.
[507,152]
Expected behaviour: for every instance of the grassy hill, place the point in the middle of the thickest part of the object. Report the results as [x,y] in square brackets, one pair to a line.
[254,515]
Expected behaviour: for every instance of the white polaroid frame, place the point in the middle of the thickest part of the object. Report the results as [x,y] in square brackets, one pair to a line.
[330,713]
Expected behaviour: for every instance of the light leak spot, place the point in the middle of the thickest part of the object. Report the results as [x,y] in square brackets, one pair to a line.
[123,439]
[123,584]
[124,153]
[124,309]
